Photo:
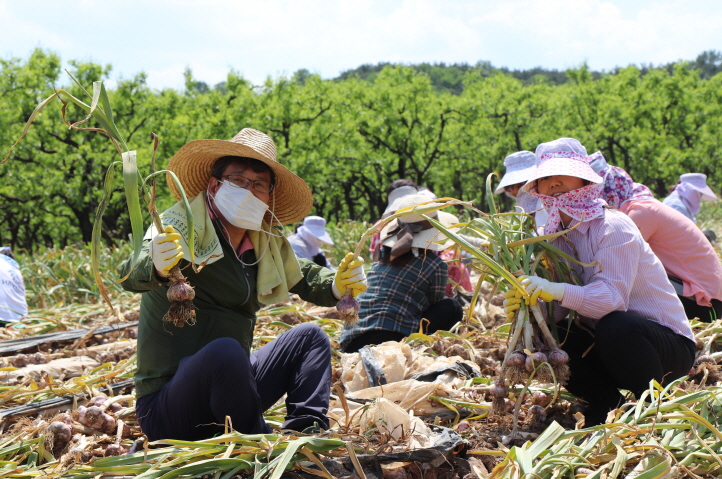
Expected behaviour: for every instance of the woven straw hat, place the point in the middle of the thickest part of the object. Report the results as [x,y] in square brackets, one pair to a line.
[291,198]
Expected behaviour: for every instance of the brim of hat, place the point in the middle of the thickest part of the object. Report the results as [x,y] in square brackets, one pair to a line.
[291,198]
[513,178]
[562,167]
[706,192]
[427,239]
[394,205]
[321,234]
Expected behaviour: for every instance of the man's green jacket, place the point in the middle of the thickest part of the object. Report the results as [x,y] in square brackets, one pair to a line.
[227,302]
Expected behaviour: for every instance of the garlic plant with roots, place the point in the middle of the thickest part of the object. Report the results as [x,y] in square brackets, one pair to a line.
[348,307]
[135,185]
[512,250]
[180,294]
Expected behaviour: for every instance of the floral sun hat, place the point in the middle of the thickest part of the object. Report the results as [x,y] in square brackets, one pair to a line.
[619,187]
[567,157]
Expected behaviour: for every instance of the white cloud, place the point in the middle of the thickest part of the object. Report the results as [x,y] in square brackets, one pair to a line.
[278,37]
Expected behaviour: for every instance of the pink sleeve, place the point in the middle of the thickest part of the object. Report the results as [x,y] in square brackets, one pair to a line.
[610,288]
[644,218]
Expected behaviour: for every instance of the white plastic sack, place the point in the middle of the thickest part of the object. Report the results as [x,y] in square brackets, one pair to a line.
[410,395]
[393,357]
[399,362]
[390,419]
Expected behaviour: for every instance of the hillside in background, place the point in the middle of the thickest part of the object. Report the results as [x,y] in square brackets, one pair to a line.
[450,77]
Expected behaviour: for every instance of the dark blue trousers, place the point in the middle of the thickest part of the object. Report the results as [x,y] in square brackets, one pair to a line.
[222,380]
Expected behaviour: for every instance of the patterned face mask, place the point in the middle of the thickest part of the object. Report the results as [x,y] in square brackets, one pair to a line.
[582,204]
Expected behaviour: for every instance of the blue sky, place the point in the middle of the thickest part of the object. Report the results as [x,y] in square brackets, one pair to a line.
[271,38]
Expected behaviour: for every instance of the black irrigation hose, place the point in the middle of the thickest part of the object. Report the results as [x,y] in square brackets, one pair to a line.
[21,344]
[56,403]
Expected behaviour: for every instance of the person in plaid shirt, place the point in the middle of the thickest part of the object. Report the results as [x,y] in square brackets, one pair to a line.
[407,284]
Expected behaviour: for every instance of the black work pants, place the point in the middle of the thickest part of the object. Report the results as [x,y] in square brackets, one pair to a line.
[628,352]
[704,313]
[222,380]
[441,316]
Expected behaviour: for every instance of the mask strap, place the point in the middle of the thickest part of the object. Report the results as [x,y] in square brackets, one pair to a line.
[268,234]
[273,216]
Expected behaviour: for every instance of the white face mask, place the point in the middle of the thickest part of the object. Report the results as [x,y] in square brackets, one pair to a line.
[240,207]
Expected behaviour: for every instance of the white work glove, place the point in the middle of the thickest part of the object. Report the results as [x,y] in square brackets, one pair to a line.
[541,288]
[350,275]
[165,251]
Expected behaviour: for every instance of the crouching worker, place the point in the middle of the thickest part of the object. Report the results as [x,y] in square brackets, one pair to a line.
[190,378]
[634,326]
[407,284]
[308,239]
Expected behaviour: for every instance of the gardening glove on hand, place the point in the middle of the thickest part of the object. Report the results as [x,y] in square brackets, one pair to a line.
[512,303]
[165,251]
[350,275]
[540,288]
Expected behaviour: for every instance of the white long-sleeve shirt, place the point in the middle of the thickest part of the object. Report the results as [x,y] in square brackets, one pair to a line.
[12,291]
[629,277]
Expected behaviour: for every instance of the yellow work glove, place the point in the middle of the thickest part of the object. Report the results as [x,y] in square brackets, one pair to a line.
[512,303]
[541,288]
[350,275]
[165,251]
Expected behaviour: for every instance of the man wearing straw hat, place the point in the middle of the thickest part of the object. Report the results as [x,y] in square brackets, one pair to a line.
[190,379]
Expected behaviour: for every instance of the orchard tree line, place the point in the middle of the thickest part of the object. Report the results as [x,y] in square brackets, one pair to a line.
[444,127]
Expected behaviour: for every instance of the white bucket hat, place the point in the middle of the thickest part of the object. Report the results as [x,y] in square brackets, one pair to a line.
[424,191]
[519,167]
[397,194]
[565,156]
[316,225]
[425,236]
[698,181]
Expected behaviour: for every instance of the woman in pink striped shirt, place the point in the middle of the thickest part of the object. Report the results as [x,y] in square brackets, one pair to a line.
[629,314]
[688,257]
